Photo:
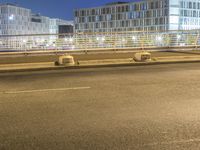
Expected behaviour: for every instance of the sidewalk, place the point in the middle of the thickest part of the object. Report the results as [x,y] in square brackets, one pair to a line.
[21,67]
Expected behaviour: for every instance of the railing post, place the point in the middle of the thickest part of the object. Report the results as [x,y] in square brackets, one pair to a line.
[143,39]
[197,39]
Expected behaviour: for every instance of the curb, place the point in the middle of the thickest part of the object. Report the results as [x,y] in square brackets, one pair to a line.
[184,52]
[98,66]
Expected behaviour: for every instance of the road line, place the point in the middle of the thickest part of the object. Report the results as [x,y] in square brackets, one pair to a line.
[46,90]
[174,142]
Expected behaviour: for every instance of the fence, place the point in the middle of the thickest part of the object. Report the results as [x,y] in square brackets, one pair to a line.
[114,40]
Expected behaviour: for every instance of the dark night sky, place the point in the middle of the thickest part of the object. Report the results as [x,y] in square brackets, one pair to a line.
[58,8]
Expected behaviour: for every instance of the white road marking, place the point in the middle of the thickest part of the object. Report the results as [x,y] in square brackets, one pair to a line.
[174,142]
[46,90]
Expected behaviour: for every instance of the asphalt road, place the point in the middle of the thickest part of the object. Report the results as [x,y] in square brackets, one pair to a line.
[78,57]
[122,108]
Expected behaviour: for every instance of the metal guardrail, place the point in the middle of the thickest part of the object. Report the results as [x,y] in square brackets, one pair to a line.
[99,50]
[98,42]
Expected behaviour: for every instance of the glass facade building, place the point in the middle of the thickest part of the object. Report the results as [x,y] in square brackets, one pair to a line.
[15,20]
[145,15]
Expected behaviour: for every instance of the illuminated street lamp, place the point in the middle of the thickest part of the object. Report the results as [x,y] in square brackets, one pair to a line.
[42,40]
[134,38]
[24,41]
[101,39]
[159,39]
[178,37]
[123,40]
[68,39]
[71,39]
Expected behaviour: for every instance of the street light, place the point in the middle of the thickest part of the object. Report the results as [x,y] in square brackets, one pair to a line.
[24,41]
[178,37]
[101,39]
[73,47]
[71,39]
[159,38]
[134,38]
[68,39]
[42,40]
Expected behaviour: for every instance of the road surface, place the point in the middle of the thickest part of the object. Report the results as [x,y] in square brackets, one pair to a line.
[122,108]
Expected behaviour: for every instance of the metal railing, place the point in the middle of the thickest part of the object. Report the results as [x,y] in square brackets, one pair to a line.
[80,42]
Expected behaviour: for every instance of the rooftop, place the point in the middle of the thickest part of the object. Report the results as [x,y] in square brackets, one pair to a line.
[116,3]
[10,4]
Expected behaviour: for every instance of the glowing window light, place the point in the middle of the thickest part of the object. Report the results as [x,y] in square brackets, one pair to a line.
[11,17]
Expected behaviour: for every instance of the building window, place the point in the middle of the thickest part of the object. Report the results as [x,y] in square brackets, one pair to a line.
[194,14]
[132,7]
[111,24]
[182,4]
[108,10]
[156,5]
[93,12]
[198,5]
[97,18]
[96,25]
[185,13]
[109,17]
[127,8]
[101,18]
[137,7]
[190,4]
[93,18]
[194,5]
[113,17]
[36,20]
[152,5]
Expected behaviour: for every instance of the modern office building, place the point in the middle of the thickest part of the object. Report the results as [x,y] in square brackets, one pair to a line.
[55,24]
[145,15]
[15,20]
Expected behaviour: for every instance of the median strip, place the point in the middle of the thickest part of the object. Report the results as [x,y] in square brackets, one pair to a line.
[46,90]
[87,63]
